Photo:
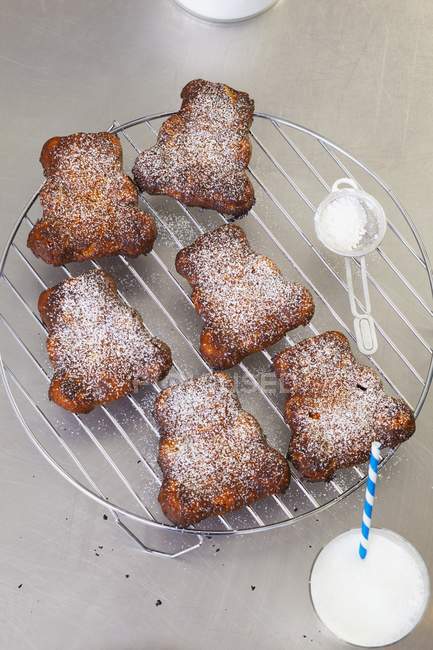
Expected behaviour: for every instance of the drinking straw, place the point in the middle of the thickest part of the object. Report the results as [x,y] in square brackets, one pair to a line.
[370,492]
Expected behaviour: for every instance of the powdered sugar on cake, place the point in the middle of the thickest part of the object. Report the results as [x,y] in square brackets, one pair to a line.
[95,336]
[336,406]
[203,150]
[242,296]
[87,200]
[210,445]
[85,183]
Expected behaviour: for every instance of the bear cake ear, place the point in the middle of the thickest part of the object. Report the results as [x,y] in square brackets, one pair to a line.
[202,151]
[90,207]
[244,301]
[394,420]
[213,455]
[336,407]
[98,346]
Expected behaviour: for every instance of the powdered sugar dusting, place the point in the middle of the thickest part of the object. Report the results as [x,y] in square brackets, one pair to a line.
[242,296]
[210,446]
[342,224]
[96,338]
[336,406]
[89,204]
[202,151]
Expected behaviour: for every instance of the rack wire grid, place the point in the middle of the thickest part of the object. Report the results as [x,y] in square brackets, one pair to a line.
[110,454]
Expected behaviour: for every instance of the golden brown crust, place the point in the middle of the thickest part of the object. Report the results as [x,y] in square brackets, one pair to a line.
[336,407]
[90,207]
[203,150]
[242,297]
[213,454]
[98,346]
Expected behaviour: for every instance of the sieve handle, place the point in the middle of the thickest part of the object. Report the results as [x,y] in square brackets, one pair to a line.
[365,330]
[345,181]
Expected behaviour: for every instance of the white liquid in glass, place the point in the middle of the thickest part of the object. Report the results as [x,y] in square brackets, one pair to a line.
[371,602]
[226,10]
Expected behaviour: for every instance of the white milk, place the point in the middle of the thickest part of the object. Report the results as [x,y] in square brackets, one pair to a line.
[226,10]
[371,602]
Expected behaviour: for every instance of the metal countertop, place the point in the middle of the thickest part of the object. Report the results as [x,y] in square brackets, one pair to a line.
[359,72]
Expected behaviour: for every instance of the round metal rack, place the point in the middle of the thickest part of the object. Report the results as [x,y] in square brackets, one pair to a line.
[110,454]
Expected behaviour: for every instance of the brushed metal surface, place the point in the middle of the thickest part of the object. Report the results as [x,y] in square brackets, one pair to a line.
[359,73]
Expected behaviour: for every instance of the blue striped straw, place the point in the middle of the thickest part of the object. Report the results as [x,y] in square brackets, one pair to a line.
[370,492]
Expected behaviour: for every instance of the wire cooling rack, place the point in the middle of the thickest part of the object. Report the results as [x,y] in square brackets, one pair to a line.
[110,454]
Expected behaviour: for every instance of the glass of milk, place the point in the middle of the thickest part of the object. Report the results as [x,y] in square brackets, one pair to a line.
[372,602]
[226,10]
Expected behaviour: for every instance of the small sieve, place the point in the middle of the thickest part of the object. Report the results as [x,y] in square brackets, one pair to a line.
[375,228]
